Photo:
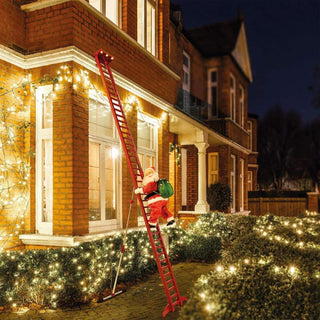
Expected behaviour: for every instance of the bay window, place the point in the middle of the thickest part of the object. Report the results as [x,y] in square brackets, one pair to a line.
[104,166]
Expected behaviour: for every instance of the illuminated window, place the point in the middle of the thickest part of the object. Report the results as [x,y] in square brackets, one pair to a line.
[110,8]
[232,97]
[146,24]
[241,105]
[250,134]
[186,72]
[104,163]
[212,93]
[213,168]
[44,169]
[250,181]
[241,184]
[147,146]
[233,182]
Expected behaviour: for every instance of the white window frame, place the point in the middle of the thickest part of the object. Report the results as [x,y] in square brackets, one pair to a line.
[43,227]
[250,180]
[211,170]
[233,98]
[241,105]
[114,143]
[187,71]
[250,125]
[211,84]
[233,183]
[184,172]
[241,184]
[147,151]
[143,24]
[102,6]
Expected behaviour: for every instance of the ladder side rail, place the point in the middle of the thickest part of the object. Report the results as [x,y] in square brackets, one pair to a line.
[117,123]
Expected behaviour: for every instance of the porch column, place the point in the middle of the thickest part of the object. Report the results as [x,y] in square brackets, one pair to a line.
[202,204]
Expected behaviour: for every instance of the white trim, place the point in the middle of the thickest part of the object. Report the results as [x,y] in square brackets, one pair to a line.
[72,53]
[233,182]
[241,176]
[43,227]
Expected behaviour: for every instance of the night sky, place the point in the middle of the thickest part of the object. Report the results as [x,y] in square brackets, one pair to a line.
[284,46]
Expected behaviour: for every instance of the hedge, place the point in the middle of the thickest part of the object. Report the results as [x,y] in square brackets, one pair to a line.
[70,276]
[270,270]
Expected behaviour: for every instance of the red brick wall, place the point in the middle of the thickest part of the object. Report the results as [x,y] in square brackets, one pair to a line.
[192,177]
[12,26]
[70,23]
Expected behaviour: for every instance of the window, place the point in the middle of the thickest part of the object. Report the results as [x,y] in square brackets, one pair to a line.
[147,146]
[212,93]
[241,105]
[250,134]
[184,161]
[110,8]
[104,166]
[250,185]
[213,168]
[241,184]
[146,24]
[186,72]
[44,169]
[233,182]
[232,97]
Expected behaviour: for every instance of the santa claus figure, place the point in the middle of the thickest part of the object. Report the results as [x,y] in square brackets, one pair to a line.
[156,203]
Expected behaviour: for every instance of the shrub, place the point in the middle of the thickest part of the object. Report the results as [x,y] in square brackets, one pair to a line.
[76,275]
[219,196]
[256,292]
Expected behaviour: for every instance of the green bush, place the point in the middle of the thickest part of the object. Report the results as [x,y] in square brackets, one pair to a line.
[269,271]
[219,197]
[256,292]
[69,276]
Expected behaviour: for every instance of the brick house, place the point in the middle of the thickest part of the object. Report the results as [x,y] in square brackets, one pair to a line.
[185,98]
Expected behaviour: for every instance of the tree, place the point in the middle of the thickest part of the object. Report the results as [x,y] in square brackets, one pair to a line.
[279,132]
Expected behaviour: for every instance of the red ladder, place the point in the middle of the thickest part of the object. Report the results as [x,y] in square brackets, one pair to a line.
[165,270]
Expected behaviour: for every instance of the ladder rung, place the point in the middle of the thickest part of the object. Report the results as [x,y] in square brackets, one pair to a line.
[169,281]
[174,295]
[173,287]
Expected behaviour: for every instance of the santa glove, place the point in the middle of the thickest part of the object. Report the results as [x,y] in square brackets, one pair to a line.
[138,191]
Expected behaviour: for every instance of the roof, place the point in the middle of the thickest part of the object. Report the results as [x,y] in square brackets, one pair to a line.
[215,39]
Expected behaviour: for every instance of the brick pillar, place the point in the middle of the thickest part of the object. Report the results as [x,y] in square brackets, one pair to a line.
[313,201]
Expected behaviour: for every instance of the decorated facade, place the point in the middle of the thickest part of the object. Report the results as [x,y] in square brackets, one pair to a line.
[63,177]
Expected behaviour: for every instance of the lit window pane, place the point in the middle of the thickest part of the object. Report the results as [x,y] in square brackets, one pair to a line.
[94,182]
[96,4]
[112,11]
[46,181]
[140,22]
[100,119]
[144,136]
[151,24]
[110,199]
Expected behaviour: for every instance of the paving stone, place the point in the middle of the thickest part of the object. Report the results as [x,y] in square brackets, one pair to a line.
[145,300]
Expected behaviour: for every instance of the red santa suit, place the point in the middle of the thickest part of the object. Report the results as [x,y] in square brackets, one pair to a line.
[156,203]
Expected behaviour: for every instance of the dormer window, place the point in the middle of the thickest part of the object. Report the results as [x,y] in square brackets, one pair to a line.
[109,8]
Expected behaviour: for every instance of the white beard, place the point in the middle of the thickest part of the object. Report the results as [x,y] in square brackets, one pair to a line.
[148,179]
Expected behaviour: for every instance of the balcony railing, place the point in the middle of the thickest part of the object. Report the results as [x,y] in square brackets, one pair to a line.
[192,106]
